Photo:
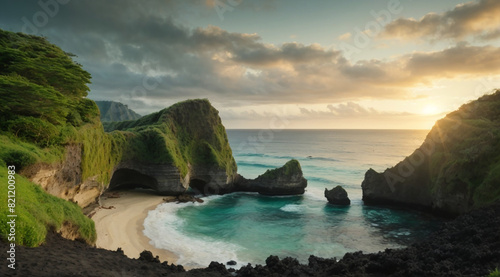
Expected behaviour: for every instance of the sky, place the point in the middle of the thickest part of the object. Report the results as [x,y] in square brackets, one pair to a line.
[273,64]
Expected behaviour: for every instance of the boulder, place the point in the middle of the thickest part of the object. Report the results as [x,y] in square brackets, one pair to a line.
[183,198]
[337,196]
[231,262]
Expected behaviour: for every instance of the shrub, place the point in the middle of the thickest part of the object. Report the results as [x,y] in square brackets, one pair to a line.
[35,130]
[19,158]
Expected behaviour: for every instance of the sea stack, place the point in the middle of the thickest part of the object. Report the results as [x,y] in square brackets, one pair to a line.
[286,180]
[337,196]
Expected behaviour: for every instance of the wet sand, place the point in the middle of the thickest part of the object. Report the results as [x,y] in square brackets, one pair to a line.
[122,226]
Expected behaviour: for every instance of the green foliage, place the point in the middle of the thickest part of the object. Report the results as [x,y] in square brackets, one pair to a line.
[466,159]
[16,152]
[101,152]
[43,110]
[38,212]
[20,97]
[42,63]
[41,90]
[187,133]
[34,129]
[290,168]
[19,158]
[494,273]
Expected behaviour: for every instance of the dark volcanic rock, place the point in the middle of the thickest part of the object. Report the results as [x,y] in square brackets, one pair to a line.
[183,198]
[337,196]
[286,180]
[467,246]
[231,262]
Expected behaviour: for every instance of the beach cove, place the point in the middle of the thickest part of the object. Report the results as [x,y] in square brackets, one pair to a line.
[121,224]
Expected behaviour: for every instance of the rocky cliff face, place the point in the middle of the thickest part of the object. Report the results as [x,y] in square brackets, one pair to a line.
[286,180]
[115,111]
[168,151]
[64,180]
[456,169]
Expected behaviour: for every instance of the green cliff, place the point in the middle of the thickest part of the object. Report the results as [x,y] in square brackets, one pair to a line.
[456,169]
[53,136]
[115,111]
[185,144]
[43,113]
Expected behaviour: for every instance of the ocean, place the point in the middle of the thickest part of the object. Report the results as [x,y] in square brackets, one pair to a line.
[247,227]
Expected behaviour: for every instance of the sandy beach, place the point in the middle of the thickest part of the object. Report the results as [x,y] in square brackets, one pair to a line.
[122,226]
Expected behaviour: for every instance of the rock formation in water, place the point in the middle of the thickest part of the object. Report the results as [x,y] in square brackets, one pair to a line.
[115,111]
[337,196]
[286,180]
[456,169]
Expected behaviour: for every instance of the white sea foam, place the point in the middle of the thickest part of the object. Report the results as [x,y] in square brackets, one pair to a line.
[163,227]
[315,193]
[293,208]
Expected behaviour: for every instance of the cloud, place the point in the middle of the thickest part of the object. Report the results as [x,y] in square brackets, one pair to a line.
[348,109]
[142,55]
[479,19]
[345,37]
[460,61]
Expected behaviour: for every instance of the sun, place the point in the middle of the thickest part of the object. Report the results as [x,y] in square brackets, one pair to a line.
[430,109]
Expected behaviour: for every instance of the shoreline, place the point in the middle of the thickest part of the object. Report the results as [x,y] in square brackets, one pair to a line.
[122,226]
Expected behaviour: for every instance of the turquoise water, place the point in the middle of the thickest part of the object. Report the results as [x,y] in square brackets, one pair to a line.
[249,227]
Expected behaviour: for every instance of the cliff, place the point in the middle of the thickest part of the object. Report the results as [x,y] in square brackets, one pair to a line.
[43,115]
[115,111]
[170,150]
[455,170]
[51,133]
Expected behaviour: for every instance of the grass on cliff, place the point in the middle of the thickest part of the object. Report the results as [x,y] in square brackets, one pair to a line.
[467,161]
[14,151]
[38,212]
[43,108]
[187,133]
[287,170]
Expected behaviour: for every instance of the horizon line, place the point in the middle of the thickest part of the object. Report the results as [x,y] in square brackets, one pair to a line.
[326,129]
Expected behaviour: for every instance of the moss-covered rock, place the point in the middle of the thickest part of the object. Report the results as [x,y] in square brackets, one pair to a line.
[456,169]
[286,180]
[178,146]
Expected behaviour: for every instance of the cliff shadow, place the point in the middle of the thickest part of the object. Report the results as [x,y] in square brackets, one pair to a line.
[125,178]
[199,186]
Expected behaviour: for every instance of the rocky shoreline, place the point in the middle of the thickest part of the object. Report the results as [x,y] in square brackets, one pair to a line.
[466,246]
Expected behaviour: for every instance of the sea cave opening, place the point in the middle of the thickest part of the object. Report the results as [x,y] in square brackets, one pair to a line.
[125,178]
[198,186]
